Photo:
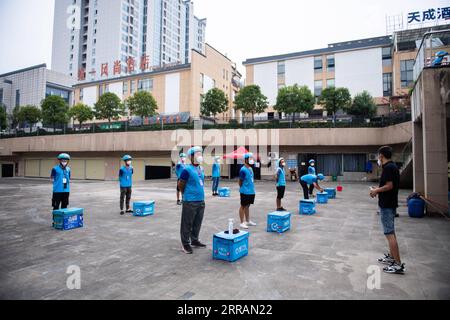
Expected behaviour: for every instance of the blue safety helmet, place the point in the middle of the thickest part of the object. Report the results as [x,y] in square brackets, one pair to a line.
[63,156]
[248,155]
[127,157]
[279,161]
[320,177]
[312,161]
[194,150]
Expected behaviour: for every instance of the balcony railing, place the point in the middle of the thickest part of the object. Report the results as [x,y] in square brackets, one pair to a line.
[433,42]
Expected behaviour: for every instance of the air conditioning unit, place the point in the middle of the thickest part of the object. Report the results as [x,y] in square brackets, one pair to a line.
[373,157]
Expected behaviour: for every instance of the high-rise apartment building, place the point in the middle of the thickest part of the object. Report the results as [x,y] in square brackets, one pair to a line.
[95,39]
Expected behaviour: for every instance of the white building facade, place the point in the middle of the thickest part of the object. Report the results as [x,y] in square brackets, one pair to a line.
[95,39]
[358,65]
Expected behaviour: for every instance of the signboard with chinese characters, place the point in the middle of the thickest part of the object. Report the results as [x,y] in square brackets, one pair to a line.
[429,15]
[129,68]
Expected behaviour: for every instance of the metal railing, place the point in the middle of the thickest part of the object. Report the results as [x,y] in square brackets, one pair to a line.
[431,42]
[343,121]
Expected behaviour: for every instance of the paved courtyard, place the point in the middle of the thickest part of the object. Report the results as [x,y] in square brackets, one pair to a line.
[325,256]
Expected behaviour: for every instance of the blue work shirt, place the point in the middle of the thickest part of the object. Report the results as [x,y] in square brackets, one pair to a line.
[126,176]
[194,177]
[309,178]
[61,179]
[311,170]
[281,177]
[248,182]
[179,169]
[216,170]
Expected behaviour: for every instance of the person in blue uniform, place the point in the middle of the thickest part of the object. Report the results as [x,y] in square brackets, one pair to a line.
[215,176]
[247,190]
[181,165]
[126,183]
[310,179]
[60,176]
[280,177]
[191,185]
[312,170]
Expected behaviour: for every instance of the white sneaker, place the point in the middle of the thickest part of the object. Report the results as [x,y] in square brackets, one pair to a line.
[251,223]
[243,225]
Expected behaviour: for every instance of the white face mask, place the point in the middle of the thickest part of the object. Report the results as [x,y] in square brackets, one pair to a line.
[183,160]
[312,164]
[282,164]
[64,163]
[251,162]
[379,163]
[128,163]
[199,159]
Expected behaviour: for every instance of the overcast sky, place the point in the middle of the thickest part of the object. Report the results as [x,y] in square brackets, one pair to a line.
[239,28]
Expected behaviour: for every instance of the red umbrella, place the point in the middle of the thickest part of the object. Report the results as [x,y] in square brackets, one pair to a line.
[238,154]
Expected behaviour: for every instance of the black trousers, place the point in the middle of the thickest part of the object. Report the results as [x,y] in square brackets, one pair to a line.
[60,199]
[125,193]
[311,189]
[191,221]
[305,189]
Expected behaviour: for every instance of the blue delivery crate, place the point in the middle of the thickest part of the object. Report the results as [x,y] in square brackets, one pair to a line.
[307,207]
[68,219]
[224,192]
[278,221]
[230,247]
[331,193]
[322,197]
[143,208]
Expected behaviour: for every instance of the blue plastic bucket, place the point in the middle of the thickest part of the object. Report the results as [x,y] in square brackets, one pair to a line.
[416,208]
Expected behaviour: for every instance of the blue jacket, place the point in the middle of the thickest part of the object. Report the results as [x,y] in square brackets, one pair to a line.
[126,177]
[248,181]
[216,170]
[179,169]
[281,175]
[311,170]
[309,178]
[194,177]
[61,179]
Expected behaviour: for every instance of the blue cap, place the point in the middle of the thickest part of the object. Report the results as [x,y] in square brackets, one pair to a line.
[321,177]
[183,155]
[63,156]
[248,155]
[194,150]
[127,157]
[312,161]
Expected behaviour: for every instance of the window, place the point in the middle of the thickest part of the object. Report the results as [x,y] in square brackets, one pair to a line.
[125,88]
[132,87]
[330,63]
[145,85]
[317,88]
[330,83]
[354,162]
[329,164]
[17,97]
[1,97]
[281,67]
[318,64]
[406,73]
[387,84]
[387,56]
[202,80]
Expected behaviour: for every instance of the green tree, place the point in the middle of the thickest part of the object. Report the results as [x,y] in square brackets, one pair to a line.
[81,113]
[363,105]
[110,107]
[295,99]
[142,104]
[334,99]
[250,100]
[54,111]
[14,117]
[30,115]
[3,118]
[214,102]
